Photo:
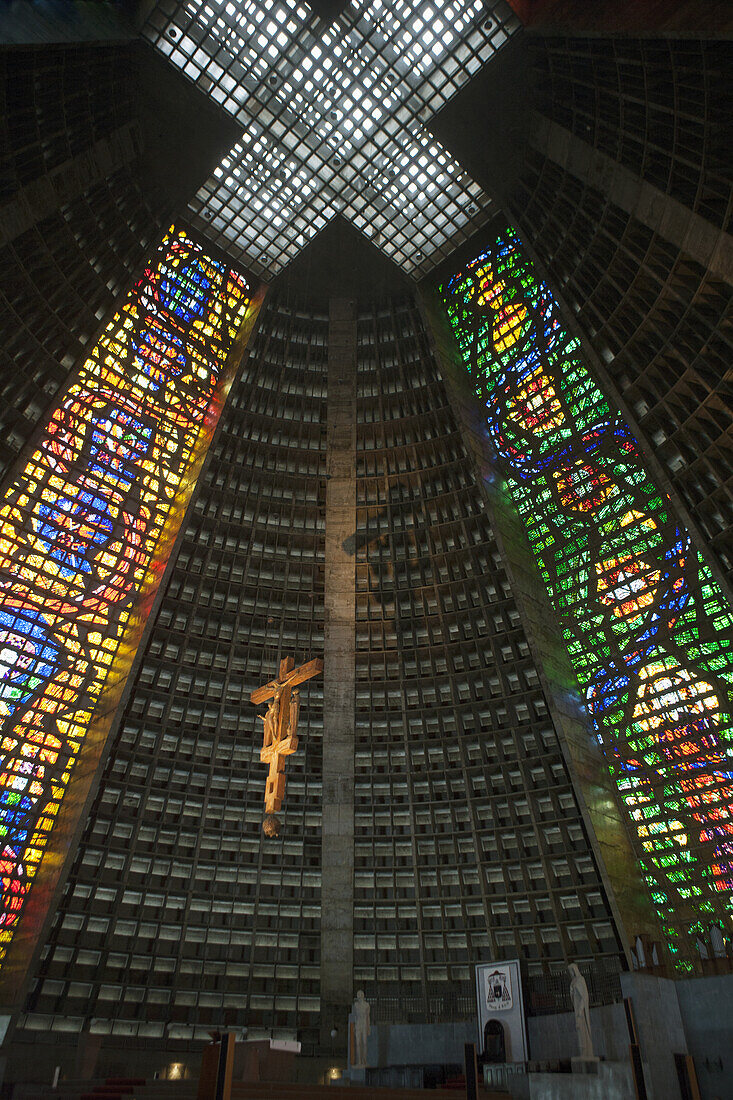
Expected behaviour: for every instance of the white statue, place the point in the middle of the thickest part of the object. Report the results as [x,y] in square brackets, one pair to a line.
[717,941]
[581,1008]
[362,1027]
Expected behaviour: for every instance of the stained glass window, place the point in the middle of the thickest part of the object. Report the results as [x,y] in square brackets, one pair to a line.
[86,527]
[648,630]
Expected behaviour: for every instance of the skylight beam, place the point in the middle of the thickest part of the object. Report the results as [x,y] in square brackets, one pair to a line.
[345,108]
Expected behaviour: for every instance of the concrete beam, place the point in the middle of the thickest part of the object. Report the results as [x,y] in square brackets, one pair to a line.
[710,246]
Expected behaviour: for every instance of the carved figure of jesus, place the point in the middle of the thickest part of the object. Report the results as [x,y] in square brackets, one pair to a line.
[270,720]
[293,717]
[280,733]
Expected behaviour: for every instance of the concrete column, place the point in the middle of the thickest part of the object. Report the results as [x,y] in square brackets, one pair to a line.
[692,234]
[337,883]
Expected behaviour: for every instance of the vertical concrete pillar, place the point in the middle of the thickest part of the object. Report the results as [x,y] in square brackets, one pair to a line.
[337,889]
[708,244]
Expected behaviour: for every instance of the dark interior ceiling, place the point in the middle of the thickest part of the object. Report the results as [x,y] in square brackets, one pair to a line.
[328,9]
[184,132]
[341,263]
[486,125]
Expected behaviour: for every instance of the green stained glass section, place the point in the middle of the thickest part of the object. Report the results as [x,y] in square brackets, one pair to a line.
[647,628]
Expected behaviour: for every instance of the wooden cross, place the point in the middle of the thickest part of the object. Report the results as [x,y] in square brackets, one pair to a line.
[281,724]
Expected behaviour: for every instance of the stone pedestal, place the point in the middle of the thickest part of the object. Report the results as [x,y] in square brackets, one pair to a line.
[611,1081]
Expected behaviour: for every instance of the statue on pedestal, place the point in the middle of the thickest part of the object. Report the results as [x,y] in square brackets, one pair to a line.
[362,1028]
[581,1008]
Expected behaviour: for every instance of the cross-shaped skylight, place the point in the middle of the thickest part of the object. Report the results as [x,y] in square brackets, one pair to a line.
[334,120]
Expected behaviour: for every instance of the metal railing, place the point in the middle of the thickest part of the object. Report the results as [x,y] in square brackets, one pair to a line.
[547,993]
[429,1008]
[543,994]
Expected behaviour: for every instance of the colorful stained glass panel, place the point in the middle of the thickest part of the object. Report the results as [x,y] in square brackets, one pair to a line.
[86,527]
[648,629]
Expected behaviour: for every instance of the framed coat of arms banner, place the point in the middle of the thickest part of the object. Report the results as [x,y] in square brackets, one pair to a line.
[502,1033]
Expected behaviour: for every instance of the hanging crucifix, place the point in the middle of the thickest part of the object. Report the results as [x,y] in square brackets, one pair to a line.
[280,737]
